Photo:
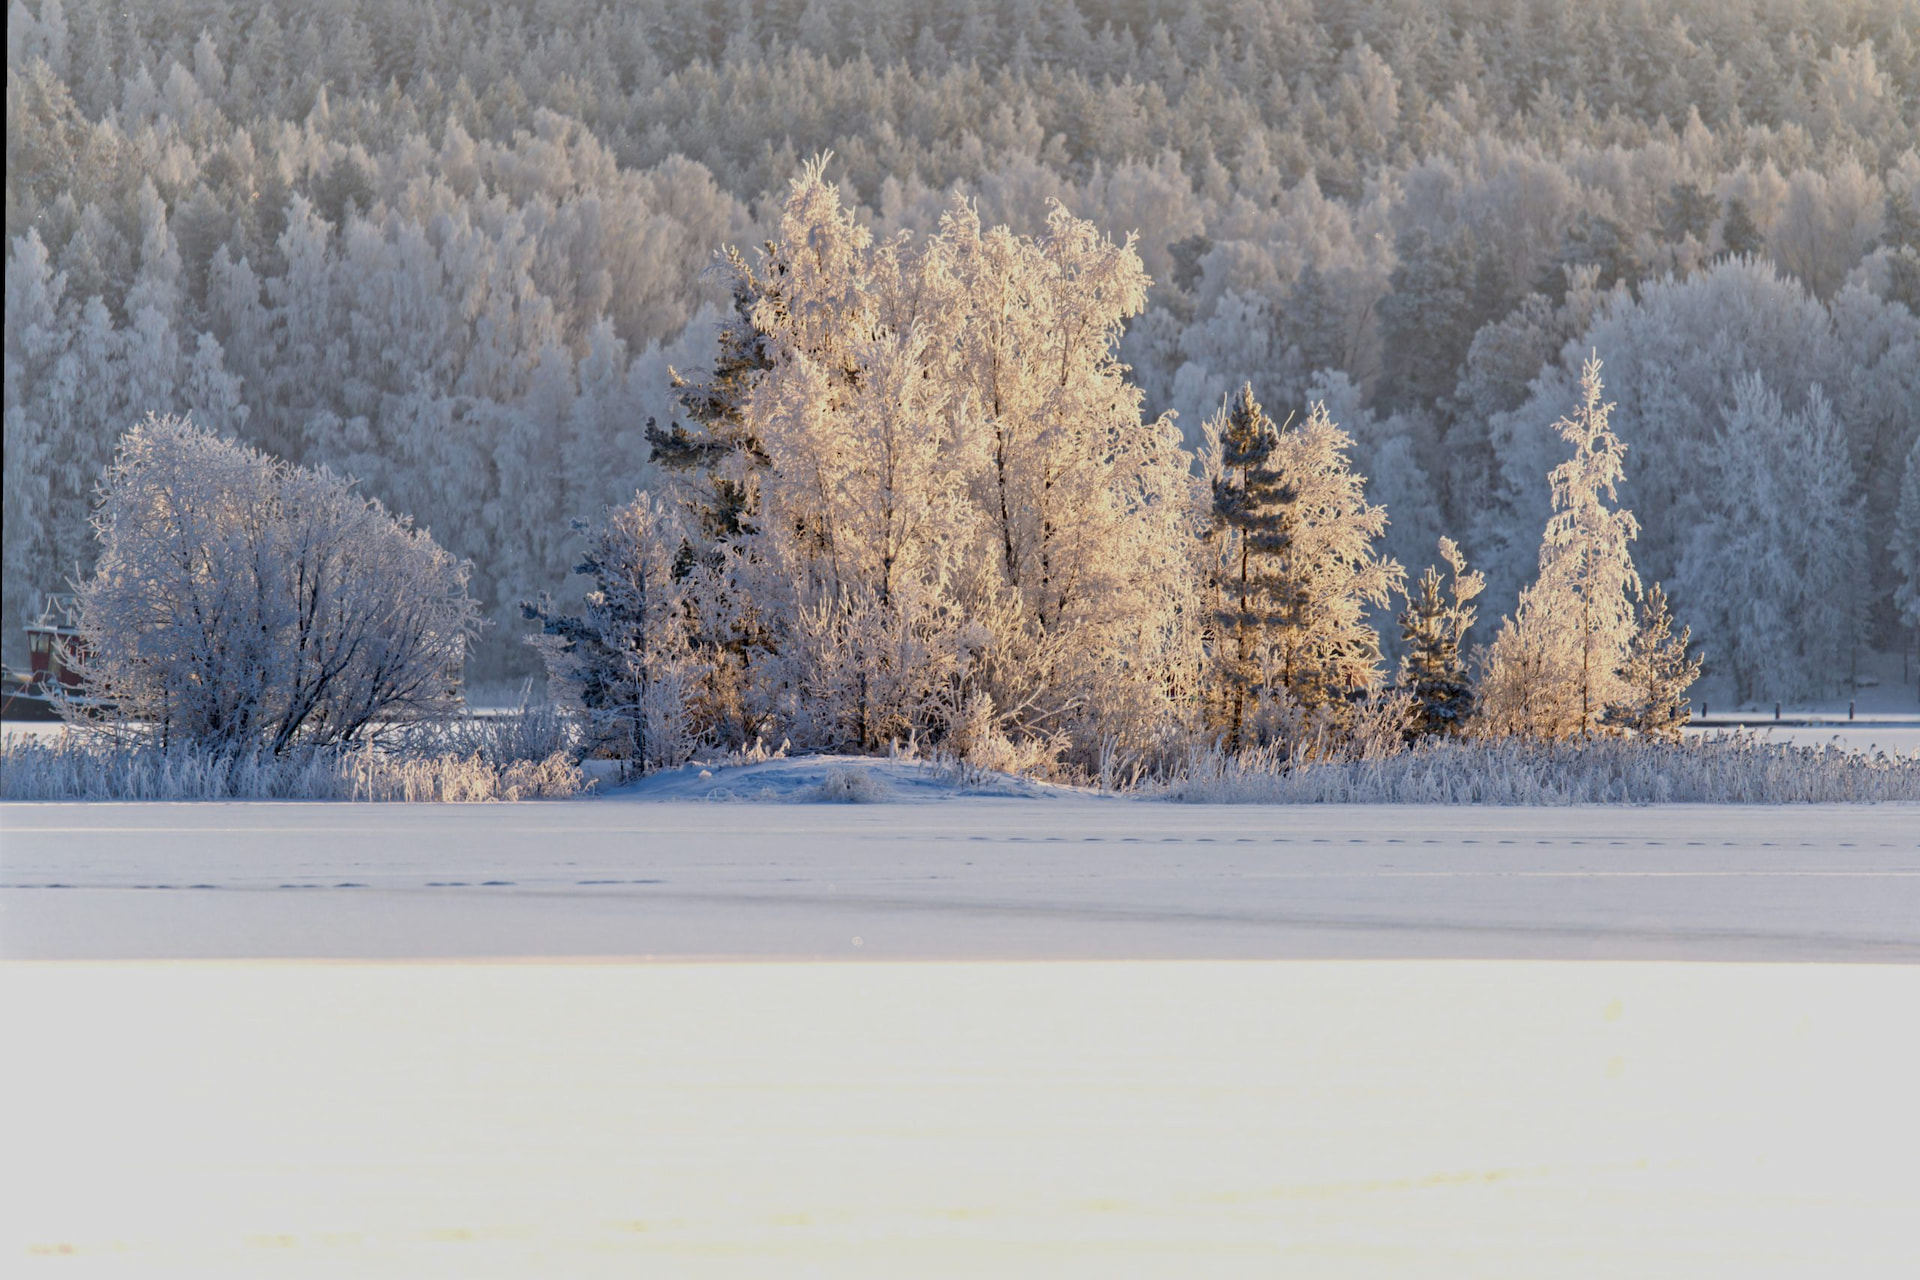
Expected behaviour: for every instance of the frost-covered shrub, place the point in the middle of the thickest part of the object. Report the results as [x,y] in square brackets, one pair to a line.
[96,767]
[846,785]
[1735,769]
[241,605]
[526,732]
[977,738]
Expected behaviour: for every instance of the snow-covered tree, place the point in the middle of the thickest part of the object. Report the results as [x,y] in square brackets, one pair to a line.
[955,503]
[1772,572]
[1246,523]
[1294,563]
[717,455]
[1433,665]
[1906,542]
[243,603]
[1554,666]
[1084,504]
[1657,674]
[627,665]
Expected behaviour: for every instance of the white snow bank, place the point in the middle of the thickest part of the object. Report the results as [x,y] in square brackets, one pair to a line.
[831,779]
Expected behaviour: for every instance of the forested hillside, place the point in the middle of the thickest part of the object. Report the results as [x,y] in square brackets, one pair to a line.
[453,248]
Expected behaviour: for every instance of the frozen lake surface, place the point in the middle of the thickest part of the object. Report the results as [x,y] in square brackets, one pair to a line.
[1053,1036]
[1063,876]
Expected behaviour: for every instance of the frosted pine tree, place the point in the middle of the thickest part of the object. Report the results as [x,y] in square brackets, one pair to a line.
[1554,666]
[1906,542]
[1248,534]
[1298,564]
[1433,669]
[718,454]
[627,664]
[1657,674]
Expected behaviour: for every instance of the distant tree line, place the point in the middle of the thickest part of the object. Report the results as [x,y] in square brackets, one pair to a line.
[454,249]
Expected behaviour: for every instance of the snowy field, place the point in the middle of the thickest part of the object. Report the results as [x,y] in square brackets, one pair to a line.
[1053,1035]
[983,1119]
[1054,875]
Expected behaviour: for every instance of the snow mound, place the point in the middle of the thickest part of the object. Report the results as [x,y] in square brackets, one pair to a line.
[830,779]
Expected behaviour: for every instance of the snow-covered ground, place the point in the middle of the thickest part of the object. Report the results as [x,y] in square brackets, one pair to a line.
[1056,874]
[1060,1035]
[1883,714]
[1894,736]
[1391,1119]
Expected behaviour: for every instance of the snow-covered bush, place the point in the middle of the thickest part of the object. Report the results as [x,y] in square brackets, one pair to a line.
[1733,769]
[529,731]
[96,767]
[848,785]
[628,665]
[244,605]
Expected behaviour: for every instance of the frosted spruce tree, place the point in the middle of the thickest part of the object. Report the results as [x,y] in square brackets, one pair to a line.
[717,456]
[1906,542]
[626,665]
[1554,667]
[1295,566]
[1657,674]
[1433,667]
[1246,522]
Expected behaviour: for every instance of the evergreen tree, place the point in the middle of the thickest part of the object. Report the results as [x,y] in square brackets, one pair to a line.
[1773,570]
[1593,240]
[1247,518]
[1900,224]
[1297,565]
[1428,320]
[1554,666]
[1740,235]
[720,454]
[1657,674]
[1686,210]
[627,663]
[1906,542]
[1433,669]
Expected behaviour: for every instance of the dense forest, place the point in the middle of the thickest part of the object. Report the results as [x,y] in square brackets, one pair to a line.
[455,249]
